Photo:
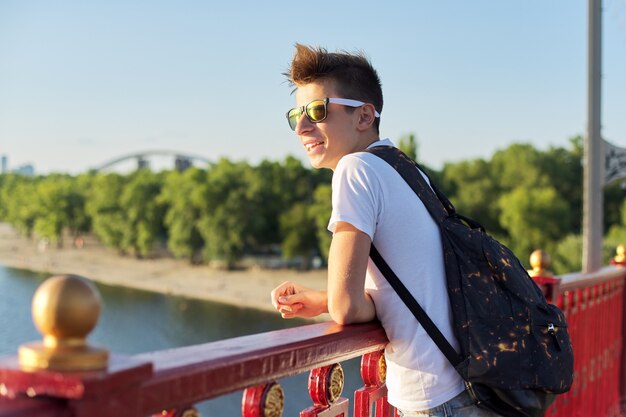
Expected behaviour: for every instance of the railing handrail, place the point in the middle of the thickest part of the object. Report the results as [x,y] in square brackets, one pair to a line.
[263,357]
[576,280]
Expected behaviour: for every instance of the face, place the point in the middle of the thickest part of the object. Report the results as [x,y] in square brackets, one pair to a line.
[338,135]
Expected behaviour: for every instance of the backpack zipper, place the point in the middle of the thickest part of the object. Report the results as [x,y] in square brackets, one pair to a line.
[552,332]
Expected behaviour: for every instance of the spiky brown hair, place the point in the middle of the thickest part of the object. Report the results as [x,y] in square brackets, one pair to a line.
[353,75]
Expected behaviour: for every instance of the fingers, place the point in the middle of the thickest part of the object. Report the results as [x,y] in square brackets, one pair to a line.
[290,308]
[290,311]
[291,300]
[285,288]
[300,297]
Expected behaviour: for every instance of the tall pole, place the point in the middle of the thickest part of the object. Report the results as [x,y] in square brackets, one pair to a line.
[593,181]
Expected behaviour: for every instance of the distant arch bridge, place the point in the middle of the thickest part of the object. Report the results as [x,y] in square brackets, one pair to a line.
[181,160]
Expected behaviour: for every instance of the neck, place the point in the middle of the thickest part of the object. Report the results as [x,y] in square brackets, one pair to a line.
[367,142]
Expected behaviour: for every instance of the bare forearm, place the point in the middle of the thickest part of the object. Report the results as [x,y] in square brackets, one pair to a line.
[347,300]
[343,311]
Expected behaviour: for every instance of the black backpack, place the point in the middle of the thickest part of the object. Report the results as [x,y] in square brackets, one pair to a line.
[516,352]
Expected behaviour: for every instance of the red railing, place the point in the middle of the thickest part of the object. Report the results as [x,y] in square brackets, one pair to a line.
[594,306]
[149,383]
[175,379]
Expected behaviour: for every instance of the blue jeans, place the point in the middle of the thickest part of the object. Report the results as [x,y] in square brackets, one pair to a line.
[460,406]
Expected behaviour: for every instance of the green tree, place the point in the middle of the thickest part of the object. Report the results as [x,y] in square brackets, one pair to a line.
[563,167]
[272,194]
[408,144]
[4,181]
[80,221]
[181,195]
[61,206]
[103,206]
[616,235]
[518,165]
[472,191]
[19,201]
[299,233]
[230,215]
[320,212]
[554,175]
[280,186]
[613,200]
[143,212]
[567,255]
[534,218]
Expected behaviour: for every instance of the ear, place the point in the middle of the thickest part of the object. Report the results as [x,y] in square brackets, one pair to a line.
[366,117]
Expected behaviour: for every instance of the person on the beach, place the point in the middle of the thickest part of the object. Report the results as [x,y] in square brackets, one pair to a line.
[339,103]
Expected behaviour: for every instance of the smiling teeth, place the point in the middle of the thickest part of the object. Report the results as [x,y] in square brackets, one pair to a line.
[310,146]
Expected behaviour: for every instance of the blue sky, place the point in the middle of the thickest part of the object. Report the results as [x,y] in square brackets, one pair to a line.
[84,82]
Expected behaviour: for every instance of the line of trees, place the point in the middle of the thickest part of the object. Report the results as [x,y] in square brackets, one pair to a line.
[527,198]
[216,214]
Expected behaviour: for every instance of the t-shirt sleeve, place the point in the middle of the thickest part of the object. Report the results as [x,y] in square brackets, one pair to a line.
[355,195]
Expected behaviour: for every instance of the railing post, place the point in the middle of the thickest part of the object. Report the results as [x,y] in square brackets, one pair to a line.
[65,309]
[63,375]
[620,261]
[541,274]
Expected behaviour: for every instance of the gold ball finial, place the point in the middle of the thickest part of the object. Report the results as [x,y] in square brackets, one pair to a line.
[540,262]
[620,254]
[65,309]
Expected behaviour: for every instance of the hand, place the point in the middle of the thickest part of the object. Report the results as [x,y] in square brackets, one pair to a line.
[293,300]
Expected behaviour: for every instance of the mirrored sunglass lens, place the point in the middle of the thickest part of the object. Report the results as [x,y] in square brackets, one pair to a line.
[293,117]
[316,111]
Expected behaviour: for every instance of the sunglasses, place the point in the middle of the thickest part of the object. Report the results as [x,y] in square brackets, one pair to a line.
[316,111]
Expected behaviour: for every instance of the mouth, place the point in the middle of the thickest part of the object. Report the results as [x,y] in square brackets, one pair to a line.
[312,145]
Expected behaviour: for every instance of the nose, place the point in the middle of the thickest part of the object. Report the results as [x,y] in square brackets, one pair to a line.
[304,125]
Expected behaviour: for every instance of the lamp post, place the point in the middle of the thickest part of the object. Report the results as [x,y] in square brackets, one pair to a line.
[594,155]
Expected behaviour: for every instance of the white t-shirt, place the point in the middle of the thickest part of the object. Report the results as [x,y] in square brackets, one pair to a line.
[369,194]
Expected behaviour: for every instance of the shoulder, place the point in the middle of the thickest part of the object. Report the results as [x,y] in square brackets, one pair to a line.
[363,166]
[357,170]
[357,193]
[360,162]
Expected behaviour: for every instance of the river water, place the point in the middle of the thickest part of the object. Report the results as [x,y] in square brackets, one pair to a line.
[134,321]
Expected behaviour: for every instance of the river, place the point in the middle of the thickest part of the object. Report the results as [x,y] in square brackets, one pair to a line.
[134,321]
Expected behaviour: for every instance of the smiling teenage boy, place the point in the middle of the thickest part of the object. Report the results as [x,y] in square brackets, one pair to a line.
[337,116]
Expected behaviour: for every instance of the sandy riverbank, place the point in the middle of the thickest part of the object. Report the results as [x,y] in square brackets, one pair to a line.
[170,276]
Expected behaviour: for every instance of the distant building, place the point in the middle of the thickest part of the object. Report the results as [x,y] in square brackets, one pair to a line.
[27,170]
[181,163]
[143,163]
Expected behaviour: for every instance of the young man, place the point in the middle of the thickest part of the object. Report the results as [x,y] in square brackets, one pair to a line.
[337,115]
